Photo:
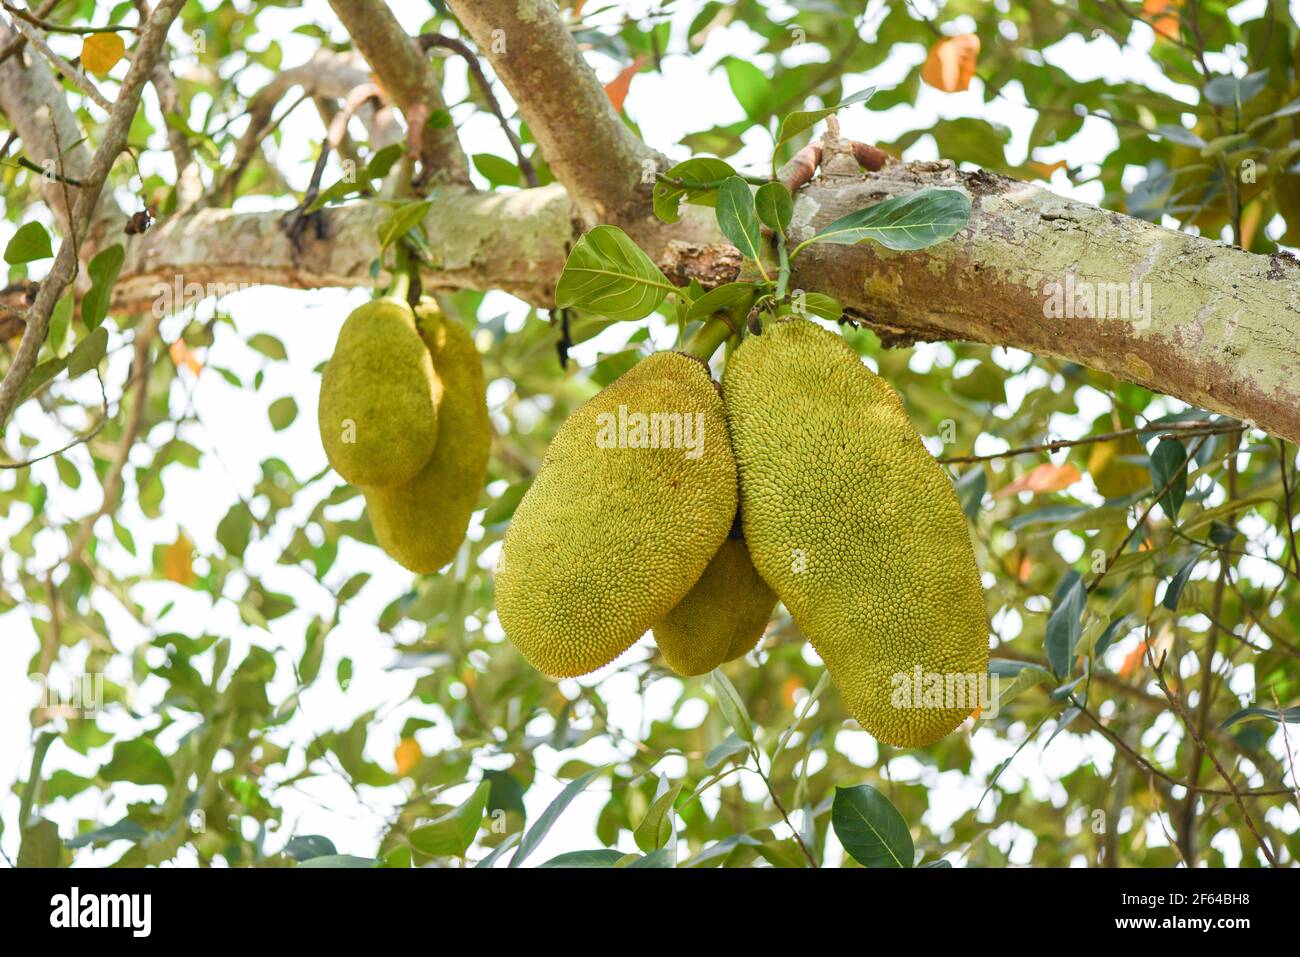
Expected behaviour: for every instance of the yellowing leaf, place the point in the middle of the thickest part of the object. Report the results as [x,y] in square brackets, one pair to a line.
[1163,21]
[1045,478]
[407,754]
[950,64]
[616,89]
[1045,170]
[101,51]
[182,356]
[178,561]
[1116,479]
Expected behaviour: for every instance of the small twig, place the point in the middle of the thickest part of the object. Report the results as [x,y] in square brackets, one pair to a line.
[1167,430]
[1158,670]
[78,78]
[1143,517]
[427,40]
[1286,501]
[18,42]
[812,861]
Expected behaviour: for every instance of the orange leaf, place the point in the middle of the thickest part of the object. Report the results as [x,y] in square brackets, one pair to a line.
[182,356]
[1045,478]
[407,754]
[950,64]
[178,561]
[616,89]
[789,689]
[1164,22]
[1045,170]
[101,51]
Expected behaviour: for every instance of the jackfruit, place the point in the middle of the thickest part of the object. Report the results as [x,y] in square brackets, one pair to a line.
[422,522]
[634,496]
[378,413]
[721,617]
[858,531]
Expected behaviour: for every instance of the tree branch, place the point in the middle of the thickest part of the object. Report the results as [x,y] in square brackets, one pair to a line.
[608,171]
[407,76]
[65,263]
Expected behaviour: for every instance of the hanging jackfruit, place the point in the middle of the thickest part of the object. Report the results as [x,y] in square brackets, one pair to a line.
[721,617]
[634,496]
[379,395]
[421,523]
[858,531]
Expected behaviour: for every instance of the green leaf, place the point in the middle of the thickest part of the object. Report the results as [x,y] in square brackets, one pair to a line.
[488,862]
[1174,590]
[815,304]
[749,85]
[538,831]
[737,219]
[774,205]
[103,270]
[1120,626]
[733,708]
[30,243]
[729,748]
[1168,460]
[656,827]
[282,412]
[306,846]
[403,219]
[339,860]
[497,170]
[1289,715]
[88,353]
[1235,91]
[601,857]
[1065,624]
[795,123]
[1180,135]
[453,833]
[139,762]
[268,345]
[40,845]
[733,298]
[870,828]
[915,221]
[235,529]
[660,858]
[694,181]
[609,274]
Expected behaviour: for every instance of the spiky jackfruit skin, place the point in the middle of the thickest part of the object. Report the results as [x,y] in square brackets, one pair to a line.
[378,412]
[720,618]
[608,539]
[856,528]
[422,523]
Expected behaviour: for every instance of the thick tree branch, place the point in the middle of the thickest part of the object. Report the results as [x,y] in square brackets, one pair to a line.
[407,76]
[608,171]
[65,263]
[1224,332]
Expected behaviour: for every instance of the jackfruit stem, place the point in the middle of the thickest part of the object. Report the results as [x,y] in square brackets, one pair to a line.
[400,287]
[707,338]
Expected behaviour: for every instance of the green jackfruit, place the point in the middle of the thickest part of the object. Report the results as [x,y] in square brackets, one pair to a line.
[858,531]
[422,523]
[721,617]
[378,412]
[634,496]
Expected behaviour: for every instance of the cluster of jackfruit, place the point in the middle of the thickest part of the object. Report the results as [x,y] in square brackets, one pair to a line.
[804,481]
[403,416]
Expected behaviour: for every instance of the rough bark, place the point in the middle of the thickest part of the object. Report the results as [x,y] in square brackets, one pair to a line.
[1224,331]
[608,171]
[407,76]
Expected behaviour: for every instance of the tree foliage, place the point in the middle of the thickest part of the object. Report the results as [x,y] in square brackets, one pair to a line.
[1141,576]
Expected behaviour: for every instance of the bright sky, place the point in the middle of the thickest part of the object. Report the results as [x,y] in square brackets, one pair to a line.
[236,435]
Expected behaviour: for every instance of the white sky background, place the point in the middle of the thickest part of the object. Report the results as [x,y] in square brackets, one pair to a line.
[236,436]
